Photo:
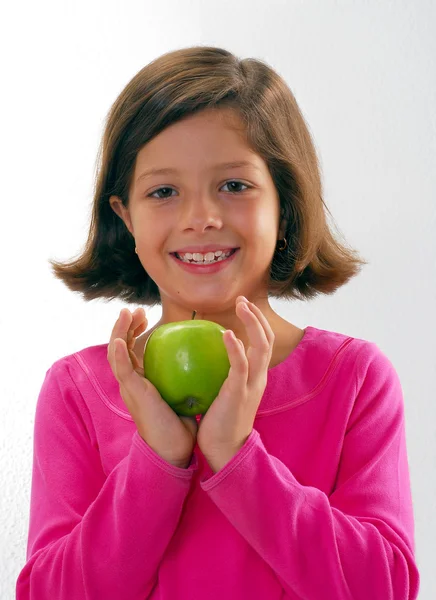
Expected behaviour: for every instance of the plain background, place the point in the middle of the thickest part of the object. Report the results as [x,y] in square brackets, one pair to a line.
[364,75]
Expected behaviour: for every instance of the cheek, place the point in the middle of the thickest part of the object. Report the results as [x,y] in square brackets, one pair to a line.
[265,228]
[259,227]
[150,229]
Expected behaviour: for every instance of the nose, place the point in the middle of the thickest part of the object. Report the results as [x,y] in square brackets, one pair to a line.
[199,212]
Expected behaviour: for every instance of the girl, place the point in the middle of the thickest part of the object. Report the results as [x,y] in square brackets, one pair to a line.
[295,483]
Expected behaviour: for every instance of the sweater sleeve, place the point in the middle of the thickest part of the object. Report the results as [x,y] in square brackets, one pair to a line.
[355,544]
[90,535]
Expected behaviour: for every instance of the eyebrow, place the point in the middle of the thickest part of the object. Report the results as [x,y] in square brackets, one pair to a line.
[170,171]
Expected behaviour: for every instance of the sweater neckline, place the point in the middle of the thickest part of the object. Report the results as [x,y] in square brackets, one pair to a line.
[119,408]
[308,334]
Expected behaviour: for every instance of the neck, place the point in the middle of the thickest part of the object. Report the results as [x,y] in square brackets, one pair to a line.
[223,315]
[287,335]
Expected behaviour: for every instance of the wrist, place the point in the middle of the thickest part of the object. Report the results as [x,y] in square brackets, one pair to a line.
[181,464]
[218,458]
[218,461]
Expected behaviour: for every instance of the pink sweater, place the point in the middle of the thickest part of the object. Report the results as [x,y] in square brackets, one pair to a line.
[316,505]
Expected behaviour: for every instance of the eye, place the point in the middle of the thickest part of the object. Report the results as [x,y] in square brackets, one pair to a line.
[152,195]
[233,181]
[167,188]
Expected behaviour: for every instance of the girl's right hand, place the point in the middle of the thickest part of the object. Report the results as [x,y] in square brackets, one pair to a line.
[170,436]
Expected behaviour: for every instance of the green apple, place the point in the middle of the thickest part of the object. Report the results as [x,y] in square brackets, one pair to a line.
[187,362]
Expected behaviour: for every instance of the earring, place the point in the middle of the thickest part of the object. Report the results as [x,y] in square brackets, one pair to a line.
[283,247]
[136,250]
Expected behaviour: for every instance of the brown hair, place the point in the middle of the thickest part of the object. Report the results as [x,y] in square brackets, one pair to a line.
[176,85]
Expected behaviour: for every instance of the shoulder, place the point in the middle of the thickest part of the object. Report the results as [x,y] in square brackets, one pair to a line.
[67,377]
[94,357]
[64,396]
[85,379]
[376,382]
[332,343]
[346,355]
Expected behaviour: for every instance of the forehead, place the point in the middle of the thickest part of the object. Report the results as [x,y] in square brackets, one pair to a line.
[211,136]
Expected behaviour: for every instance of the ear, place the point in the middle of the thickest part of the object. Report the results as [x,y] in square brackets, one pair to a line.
[123,212]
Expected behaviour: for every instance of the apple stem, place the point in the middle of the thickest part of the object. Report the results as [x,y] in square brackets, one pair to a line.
[193,314]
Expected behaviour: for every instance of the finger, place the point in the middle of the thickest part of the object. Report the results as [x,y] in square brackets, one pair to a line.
[258,353]
[137,326]
[121,325]
[123,367]
[263,321]
[255,327]
[125,328]
[238,372]
[141,328]
[131,385]
[122,364]
[119,329]
[137,366]
[139,321]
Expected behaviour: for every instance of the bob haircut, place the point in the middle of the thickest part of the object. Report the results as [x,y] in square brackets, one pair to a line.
[170,88]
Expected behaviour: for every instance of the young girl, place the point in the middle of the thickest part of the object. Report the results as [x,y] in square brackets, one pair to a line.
[295,483]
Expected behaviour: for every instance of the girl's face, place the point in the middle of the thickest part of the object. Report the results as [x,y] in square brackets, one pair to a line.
[202,203]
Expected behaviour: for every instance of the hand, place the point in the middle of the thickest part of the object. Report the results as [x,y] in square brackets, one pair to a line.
[225,427]
[170,436]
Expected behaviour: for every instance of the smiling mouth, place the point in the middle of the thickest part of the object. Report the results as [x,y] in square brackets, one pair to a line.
[215,260]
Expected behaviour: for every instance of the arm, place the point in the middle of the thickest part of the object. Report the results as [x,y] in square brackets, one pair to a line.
[92,536]
[357,543]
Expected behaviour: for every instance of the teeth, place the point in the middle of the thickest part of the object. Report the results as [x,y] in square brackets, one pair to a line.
[199,258]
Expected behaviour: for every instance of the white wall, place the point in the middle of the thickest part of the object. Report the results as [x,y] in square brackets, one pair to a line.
[364,74]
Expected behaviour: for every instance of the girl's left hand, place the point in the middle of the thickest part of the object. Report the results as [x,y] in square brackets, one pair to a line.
[225,427]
